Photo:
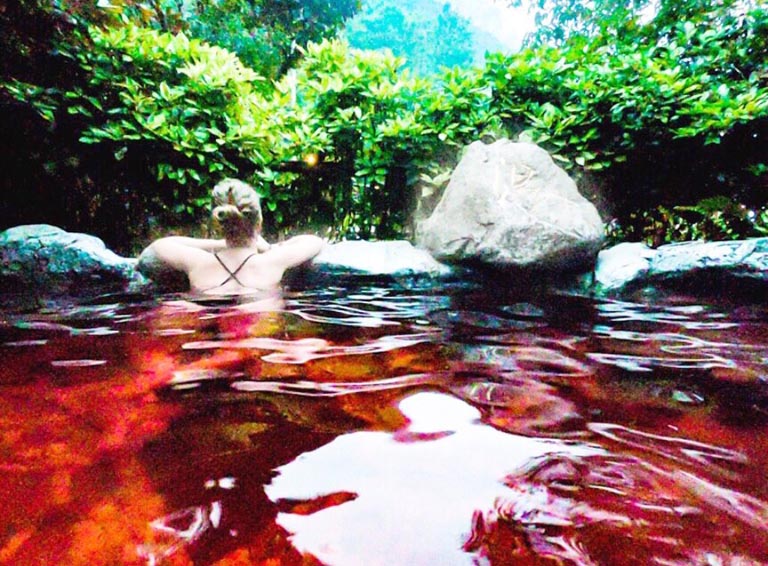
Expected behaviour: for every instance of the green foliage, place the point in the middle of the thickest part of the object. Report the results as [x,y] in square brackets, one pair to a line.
[374,127]
[714,219]
[192,113]
[614,87]
[663,104]
[47,51]
[667,112]
[460,108]
[760,221]
[366,120]
[559,20]
[599,107]
[265,34]
[28,29]
[194,106]
[686,112]
[268,35]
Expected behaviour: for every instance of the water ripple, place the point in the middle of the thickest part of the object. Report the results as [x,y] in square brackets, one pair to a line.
[647,363]
[672,448]
[306,349]
[686,316]
[472,322]
[366,308]
[25,343]
[678,350]
[77,363]
[328,389]
[179,529]
[565,506]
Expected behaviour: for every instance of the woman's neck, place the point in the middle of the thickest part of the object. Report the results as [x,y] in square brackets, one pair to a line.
[247,242]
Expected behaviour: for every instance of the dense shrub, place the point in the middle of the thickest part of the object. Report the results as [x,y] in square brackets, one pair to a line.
[159,117]
[333,144]
[352,117]
[665,123]
[372,127]
[669,121]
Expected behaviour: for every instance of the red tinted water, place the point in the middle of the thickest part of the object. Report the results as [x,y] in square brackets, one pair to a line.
[383,426]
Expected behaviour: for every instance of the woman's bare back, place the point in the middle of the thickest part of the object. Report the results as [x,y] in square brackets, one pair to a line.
[209,264]
[234,271]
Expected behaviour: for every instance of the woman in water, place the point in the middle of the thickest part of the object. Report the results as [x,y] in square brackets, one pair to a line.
[241,273]
[243,263]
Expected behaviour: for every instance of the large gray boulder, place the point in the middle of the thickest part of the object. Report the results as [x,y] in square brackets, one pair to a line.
[38,259]
[509,205]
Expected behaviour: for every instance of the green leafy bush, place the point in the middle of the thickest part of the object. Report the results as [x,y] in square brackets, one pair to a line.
[335,143]
[195,106]
[656,119]
[187,111]
[665,120]
[372,125]
[358,113]
[596,108]
[712,219]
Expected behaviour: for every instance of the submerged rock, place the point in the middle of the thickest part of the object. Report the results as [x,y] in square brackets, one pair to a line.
[509,206]
[39,259]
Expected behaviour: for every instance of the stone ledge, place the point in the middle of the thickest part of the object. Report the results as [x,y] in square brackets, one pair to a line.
[704,267]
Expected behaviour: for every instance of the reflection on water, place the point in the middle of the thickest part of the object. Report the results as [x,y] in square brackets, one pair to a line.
[382,425]
[439,469]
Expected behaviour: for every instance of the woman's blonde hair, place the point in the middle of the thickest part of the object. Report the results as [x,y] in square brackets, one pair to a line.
[237,208]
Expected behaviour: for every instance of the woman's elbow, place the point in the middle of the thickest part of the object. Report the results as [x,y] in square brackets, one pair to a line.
[148,254]
[150,264]
[315,245]
[160,254]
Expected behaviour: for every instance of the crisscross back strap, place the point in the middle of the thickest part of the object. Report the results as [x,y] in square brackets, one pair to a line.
[232,274]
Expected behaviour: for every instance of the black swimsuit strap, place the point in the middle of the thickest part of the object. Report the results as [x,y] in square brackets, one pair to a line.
[232,274]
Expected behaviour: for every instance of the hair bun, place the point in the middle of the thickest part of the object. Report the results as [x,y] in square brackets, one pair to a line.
[225,212]
[237,209]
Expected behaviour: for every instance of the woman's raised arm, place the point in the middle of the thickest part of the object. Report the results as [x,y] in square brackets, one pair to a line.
[177,252]
[297,250]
